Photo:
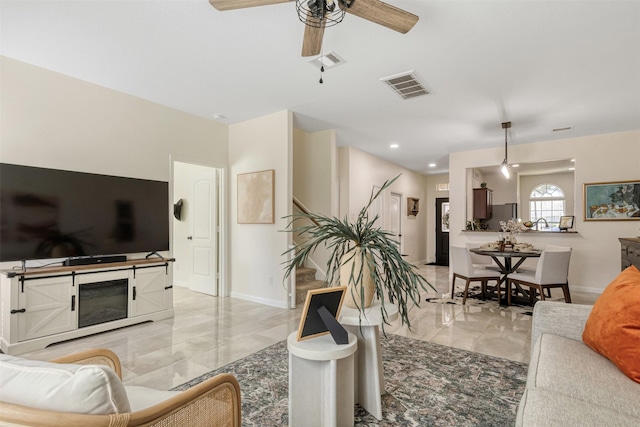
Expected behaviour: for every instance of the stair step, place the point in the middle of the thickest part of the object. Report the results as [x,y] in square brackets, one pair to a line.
[305,274]
[303,288]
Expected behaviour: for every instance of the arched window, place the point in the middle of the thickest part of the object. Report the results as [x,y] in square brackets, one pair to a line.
[546,201]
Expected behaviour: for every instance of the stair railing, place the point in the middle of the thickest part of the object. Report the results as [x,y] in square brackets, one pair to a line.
[297,203]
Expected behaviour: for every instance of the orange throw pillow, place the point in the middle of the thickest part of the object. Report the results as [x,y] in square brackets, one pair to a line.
[613,327]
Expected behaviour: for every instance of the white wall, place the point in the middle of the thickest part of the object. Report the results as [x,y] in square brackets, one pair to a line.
[361,172]
[255,249]
[601,158]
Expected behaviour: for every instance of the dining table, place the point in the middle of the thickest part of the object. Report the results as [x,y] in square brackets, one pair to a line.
[504,259]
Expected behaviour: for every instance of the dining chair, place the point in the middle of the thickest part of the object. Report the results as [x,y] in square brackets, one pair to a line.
[463,268]
[532,269]
[480,261]
[552,271]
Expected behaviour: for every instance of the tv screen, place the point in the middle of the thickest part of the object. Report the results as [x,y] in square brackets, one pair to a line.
[48,213]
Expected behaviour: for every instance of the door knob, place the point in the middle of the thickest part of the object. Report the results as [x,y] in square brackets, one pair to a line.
[189,238]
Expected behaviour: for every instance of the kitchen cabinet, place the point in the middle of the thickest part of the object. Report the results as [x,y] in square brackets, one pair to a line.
[482,203]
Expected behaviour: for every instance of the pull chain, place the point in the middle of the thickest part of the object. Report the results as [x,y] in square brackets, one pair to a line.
[321,64]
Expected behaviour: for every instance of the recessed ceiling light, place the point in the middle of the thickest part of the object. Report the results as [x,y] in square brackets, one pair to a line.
[394,146]
[432,165]
[218,117]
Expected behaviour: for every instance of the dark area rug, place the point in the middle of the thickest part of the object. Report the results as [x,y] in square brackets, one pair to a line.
[426,385]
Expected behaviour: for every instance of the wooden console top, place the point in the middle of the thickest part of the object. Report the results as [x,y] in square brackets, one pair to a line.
[64,268]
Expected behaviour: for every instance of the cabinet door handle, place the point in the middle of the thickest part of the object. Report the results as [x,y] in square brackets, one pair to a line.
[73,303]
[18,311]
[189,237]
[168,287]
[134,293]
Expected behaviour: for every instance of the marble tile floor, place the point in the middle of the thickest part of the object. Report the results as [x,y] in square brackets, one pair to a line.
[209,332]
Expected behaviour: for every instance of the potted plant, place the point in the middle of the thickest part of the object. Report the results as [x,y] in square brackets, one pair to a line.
[361,254]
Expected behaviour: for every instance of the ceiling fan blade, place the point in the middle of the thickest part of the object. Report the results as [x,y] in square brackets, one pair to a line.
[383,14]
[223,5]
[312,42]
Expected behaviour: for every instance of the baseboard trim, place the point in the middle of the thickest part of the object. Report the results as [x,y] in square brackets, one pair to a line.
[259,300]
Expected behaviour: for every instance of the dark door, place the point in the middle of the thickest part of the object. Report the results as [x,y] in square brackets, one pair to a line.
[442,231]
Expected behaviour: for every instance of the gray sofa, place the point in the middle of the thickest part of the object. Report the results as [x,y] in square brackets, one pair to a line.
[568,383]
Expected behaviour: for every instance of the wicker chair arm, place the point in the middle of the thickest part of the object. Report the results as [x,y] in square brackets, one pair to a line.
[214,402]
[94,356]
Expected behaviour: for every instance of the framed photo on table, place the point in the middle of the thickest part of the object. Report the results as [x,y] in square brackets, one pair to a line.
[566,222]
[612,201]
[311,322]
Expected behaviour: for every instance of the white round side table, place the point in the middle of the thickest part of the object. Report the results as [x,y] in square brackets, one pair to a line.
[321,381]
[369,375]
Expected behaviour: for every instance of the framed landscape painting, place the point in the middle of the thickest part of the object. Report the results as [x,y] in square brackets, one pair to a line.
[611,201]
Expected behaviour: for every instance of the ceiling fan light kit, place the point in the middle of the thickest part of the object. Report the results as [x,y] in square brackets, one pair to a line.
[320,13]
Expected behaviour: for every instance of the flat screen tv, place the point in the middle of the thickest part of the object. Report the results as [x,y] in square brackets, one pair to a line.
[49,213]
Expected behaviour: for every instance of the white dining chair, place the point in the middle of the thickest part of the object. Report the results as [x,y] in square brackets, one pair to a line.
[552,271]
[463,268]
[532,269]
[480,261]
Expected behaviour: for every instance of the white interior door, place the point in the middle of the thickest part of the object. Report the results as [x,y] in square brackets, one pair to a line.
[196,235]
[395,218]
[204,232]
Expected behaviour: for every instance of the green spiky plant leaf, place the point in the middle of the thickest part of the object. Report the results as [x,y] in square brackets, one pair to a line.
[395,280]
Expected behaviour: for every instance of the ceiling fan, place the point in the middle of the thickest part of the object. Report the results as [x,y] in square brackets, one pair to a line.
[318,14]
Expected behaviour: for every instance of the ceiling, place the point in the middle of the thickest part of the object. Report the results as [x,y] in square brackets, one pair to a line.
[539,64]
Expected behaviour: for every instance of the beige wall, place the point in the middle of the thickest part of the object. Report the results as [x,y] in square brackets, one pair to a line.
[55,121]
[255,249]
[359,171]
[314,170]
[600,158]
[315,184]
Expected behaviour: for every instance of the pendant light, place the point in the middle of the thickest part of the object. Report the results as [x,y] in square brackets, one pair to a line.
[506,168]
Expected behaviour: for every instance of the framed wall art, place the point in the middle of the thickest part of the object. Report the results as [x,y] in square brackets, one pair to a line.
[256,197]
[611,201]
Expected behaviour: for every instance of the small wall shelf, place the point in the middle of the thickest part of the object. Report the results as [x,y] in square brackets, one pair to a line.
[413,206]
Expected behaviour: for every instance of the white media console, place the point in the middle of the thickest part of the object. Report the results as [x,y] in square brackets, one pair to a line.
[42,306]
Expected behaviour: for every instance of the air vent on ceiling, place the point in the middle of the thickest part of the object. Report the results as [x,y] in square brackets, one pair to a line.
[407,85]
[328,60]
